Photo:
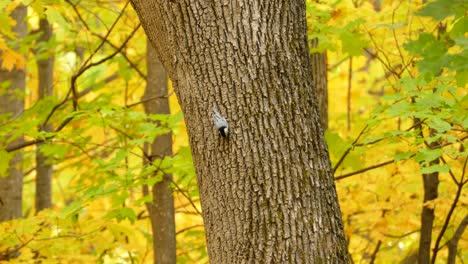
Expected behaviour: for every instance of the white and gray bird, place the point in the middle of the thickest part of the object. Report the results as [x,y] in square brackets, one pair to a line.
[220,123]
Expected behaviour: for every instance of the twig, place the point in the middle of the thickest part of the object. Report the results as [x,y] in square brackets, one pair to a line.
[436,248]
[349,149]
[365,169]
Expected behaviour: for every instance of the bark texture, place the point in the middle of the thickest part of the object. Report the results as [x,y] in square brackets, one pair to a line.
[267,192]
[161,211]
[45,68]
[11,185]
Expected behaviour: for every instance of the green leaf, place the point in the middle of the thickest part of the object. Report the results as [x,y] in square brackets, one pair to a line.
[352,43]
[435,168]
[459,27]
[441,9]
[38,8]
[427,155]
[336,143]
[400,109]
[154,179]
[462,41]
[439,125]
[431,50]
[57,151]
[143,200]
[462,78]
[353,160]
[403,156]
[71,209]
[54,16]
[122,214]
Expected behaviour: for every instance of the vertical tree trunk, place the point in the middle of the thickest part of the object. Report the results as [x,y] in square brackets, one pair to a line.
[320,83]
[453,242]
[267,191]
[431,184]
[45,69]
[11,185]
[161,211]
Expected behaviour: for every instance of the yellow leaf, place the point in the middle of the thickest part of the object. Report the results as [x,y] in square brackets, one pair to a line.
[11,59]
[3,45]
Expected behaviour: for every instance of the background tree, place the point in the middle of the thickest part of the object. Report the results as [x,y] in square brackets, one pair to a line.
[267,192]
[161,208]
[320,84]
[11,107]
[45,68]
[396,60]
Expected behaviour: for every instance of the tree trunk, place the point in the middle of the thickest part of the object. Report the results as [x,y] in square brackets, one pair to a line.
[161,211]
[320,82]
[267,191]
[45,68]
[453,242]
[11,185]
[431,184]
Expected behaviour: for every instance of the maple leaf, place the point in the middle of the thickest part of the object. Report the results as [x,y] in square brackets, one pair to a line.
[11,59]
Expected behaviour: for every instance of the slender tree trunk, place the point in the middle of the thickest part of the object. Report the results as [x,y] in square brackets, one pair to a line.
[320,83]
[267,191]
[45,69]
[453,242]
[11,185]
[161,211]
[431,184]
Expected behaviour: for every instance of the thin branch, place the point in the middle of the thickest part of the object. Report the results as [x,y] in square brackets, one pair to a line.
[78,14]
[187,197]
[436,248]
[37,141]
[149,99]
[124,55]
[376,250]
[106,36]
[453,242]
[84,68]
[349,149]
[88,89]
[105,39]
[355,144]
[188,228]
[401,236]
[365,169]
[75,98]
[350,79]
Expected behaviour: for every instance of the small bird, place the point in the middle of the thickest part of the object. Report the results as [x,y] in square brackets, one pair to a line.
[220,123]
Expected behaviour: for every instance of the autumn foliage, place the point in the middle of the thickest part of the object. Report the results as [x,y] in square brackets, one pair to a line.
[398,117]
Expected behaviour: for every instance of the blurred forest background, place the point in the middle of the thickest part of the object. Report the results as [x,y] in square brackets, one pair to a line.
[397,131]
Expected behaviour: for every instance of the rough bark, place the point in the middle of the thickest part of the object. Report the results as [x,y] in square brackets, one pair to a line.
[267,192]
[11,185]
[45,68]
[161,210]
[320,83]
